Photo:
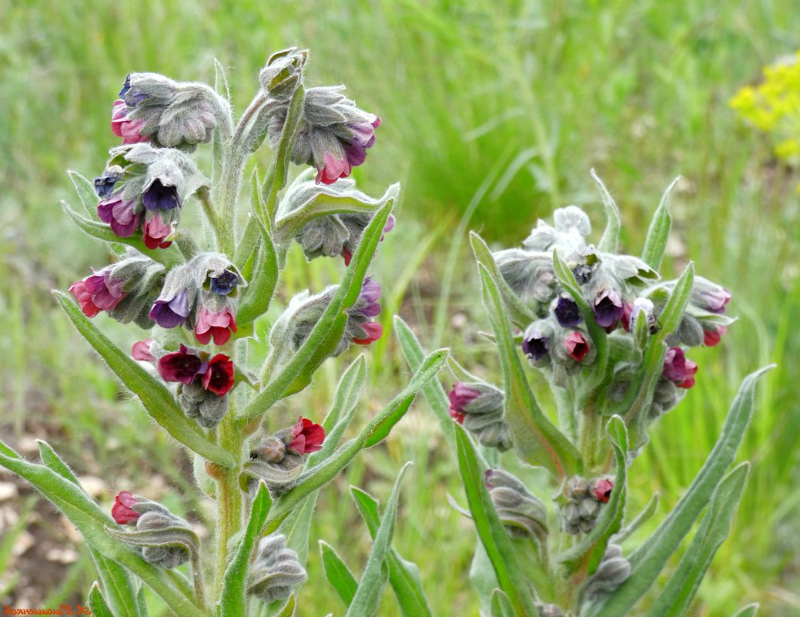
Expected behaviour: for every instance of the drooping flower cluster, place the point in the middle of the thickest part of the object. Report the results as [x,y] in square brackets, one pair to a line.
[583,502]
[478,406]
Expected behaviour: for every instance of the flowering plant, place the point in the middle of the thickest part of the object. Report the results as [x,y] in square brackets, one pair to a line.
[609,337]
[200,299]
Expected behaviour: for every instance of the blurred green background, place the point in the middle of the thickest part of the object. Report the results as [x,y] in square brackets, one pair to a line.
[494,112]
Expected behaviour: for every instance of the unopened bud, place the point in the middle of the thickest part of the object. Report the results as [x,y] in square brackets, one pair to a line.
[283,73]
[276,571]
[523,515]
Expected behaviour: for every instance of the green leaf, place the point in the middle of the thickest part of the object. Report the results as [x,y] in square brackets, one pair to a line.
[404,575]
[433,391]
[338,574]
[657,235]
[117,584]
[609,243]
[367,598]
[261,286]
[649,559]
[169,256]
[233,599]
[289,608]
[537,441]
[751,610]
[327,333]
[91,521]
[379,426]
[586,555]
[156,399]
[86,193]
[490,529]
[97,605]
[644,516]
[501,605]
[519,313]
[297,527]
[325,204]
[679,592]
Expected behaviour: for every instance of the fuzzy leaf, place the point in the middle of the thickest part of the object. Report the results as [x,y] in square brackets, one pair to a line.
[586,555]
[649,559]
[404,575]
[97,605]
[156,399]
[657,235]
[536,439]
[169,256]
[327,333]
[501,605]
[366,601]
[233,599]
[289,608]
[609,243]
[379,426]
[434,393]
[490,529]
[644,516]
[86,193]
[91,521]
[338,574]
[751,610]
[679,592]
[261,287]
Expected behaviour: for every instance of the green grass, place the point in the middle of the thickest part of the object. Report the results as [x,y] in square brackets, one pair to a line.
[506,105]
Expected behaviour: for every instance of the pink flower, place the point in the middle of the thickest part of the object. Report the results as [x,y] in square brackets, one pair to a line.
[219,375]
[122,126]
[576,346]
[308,436]
[119,214]
[141,351]
[460,396]
[602,490]
[332,169]
[678,368]
[155,231]
[98,292]
[713,337]
[122,511]
[374,331]
[214,325]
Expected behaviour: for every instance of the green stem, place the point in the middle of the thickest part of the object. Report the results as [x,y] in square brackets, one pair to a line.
[199,585]
[591,429]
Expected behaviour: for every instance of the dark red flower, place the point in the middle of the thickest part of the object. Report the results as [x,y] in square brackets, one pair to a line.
[308,436]
[182,366]
[713,337]
[219,375]
[602,490]
[122,511]
[576,345]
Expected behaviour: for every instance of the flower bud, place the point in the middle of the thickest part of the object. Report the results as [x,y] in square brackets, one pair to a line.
[283,73]
[712,334]
[665,396]
[612,571]
[708,296]
[576,346]
[584,502]
[335,134]
[276,571]
[171,114]
[199,403]
[529,274]
[523,515]
[549,610]
[601,489]
[479,407]
[166,541]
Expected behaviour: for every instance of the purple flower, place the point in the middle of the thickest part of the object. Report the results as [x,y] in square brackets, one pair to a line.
[98,292]
[460,396]
[161,197]
[119,214]
[104,184]
[535,345]
[567,312]
[172,312]
[131,96]
[709,296]
[678,368]
[608,308]
[225,283]
[370,293]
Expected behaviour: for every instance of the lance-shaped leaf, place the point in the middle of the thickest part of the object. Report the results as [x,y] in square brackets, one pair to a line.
[169,257]
[536,439]
[586,555]
[567,280]
[520,314]
[289,608]
[118,587]
[86,193]
[404,575]
[324,200]
[751,610]
[679,592]
[501,605]
[657,235]
[609,242]
[233,599]
[490,529]
[367,599]
[258,294]
[373,433]
[644,516]
[338,574]
[97,605]
[328,331]
[156,399]
[91,521]
[649,559]
[433,391]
